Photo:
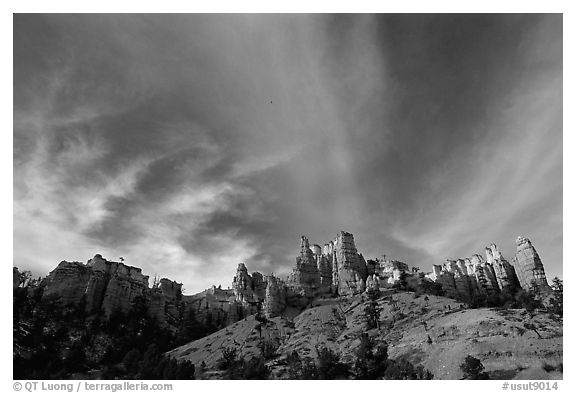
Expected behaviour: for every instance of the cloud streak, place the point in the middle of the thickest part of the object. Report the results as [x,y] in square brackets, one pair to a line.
[190,143]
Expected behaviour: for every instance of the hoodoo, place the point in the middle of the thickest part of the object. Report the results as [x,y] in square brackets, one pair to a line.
[336,269]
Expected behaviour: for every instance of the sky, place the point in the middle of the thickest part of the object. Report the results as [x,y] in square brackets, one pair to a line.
[187,144]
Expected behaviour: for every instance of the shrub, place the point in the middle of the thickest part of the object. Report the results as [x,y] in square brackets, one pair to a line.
[255,368]
[403,369]
[473,368]
[330,366]
[294,365]
[426,286]
[556,302]
[228,359]
[268,349]
[309,369]
[372,315]
[371,359]
[131,361]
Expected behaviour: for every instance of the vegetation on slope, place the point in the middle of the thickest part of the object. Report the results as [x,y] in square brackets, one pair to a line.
[52,341]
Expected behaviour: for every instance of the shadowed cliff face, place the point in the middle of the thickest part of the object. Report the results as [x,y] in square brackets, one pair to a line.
[106,286]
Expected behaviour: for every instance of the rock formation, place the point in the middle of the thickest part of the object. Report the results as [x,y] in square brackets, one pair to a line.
[388,271]
[248,288]
[352,271]
[165,300]
[304,281]
[505,273]
[529,267]
[336,269]
[275,300]
[109,286]
[68,282]
[373,283]
[466,278]
[217,307]
[18,277]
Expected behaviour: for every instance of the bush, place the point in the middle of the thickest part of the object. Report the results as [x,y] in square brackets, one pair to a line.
[229,358]
[473,368]
[301,368]
[268,349]
[294,364]
[131,361]
[330,366]
[403,369]
[255,368]
[55,340]
[556,302]
[371,359]
[426,286]
[372,315]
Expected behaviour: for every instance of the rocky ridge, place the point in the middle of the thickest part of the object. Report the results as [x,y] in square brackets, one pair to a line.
[469,277]
[335,270]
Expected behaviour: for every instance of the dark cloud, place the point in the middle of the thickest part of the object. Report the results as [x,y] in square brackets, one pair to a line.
[189,143]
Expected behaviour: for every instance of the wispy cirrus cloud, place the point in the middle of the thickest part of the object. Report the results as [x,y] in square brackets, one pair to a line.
[190,143]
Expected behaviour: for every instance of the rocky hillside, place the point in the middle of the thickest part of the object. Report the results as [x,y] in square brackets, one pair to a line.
[435,332]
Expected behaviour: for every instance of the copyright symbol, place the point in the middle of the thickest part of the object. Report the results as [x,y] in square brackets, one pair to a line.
[17,386]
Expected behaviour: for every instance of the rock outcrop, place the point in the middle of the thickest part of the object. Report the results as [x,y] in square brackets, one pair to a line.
[68,282]
[18,278]
[529,267]
[466,278]
[305,282]
[165,301]
[275,300]
[336,269]
[351,266]
[108,286]
[505,272]
[216,307]
[389,271]
[248,289]
[373,283]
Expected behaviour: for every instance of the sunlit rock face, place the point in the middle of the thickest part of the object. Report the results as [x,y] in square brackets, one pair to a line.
[351,266]
[466,278]
[373,283]
[389,271]
[528,266]
[304,281]
[505,273]
[248,288]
